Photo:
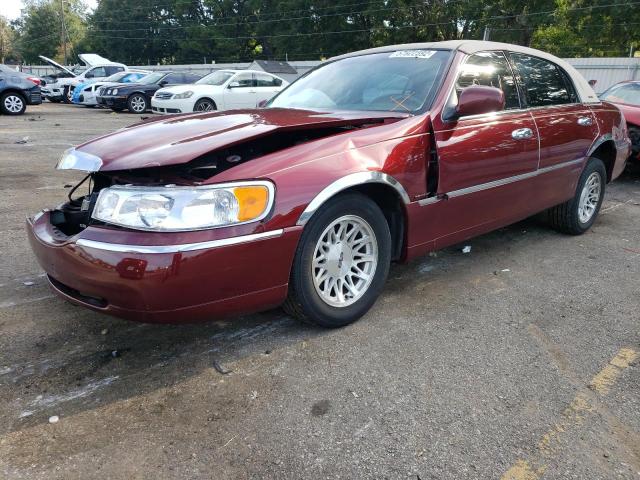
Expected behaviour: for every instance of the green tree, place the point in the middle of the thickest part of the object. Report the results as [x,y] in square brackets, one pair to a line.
[7,41]
[44,24]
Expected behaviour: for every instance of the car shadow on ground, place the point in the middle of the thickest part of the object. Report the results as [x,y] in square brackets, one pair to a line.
[89,360]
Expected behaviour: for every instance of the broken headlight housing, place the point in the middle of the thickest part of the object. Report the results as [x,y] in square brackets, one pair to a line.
[175,209]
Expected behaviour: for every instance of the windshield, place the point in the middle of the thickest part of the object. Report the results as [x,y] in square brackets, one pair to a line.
[116,77]
[216,78]
[624,93]
[152,78]
[400,81]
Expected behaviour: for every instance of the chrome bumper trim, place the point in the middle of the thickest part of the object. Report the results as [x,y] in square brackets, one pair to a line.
[186,247]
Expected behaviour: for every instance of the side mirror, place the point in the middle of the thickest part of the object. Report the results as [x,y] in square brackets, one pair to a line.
[234,84]
[262,103]
[476,100]
[163,83]
[88,75]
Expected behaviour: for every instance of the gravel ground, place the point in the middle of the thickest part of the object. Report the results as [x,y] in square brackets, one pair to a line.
[517,360]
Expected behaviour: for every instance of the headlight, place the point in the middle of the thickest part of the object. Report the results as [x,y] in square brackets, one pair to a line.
[73,159]
[186,94]
[173,209]
[114,91]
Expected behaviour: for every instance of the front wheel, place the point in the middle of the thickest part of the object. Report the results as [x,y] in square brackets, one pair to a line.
[204,105]
[137,103]
[67,94]
[341,263]
[578,214]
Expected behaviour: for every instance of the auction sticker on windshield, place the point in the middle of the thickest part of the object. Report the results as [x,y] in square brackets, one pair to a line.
[413,54]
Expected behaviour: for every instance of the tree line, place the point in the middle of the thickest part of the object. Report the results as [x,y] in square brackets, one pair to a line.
[141,32]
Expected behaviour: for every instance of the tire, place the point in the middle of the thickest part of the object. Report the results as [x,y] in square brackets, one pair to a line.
[67,94]
[311,300]
[12,103]
[204,105]
[576,216]
[137,103]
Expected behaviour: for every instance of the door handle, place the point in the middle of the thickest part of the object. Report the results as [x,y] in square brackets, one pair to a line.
[585,121]
[522,134]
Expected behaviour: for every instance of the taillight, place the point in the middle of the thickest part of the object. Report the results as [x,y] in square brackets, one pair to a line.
[35,80]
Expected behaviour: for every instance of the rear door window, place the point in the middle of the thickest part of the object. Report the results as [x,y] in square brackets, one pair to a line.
[490,69]
[265,80]
[544,82]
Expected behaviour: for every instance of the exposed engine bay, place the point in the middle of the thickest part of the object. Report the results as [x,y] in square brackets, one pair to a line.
[74,216]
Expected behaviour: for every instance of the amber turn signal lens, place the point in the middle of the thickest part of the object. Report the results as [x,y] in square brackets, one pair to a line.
[252,200]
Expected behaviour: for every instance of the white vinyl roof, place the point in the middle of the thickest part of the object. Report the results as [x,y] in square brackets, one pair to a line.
[584,90]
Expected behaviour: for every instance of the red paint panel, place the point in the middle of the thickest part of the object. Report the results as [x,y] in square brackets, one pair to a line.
[562,138]
[480,150]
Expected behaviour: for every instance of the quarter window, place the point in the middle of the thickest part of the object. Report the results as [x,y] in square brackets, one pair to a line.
[492,70]
[545,84]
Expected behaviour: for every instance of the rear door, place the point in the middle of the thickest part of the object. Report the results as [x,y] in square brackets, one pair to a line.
[486,162]
[567,127]
[266,87]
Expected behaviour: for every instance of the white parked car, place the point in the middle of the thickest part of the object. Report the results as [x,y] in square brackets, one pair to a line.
[60,86]
[220,90]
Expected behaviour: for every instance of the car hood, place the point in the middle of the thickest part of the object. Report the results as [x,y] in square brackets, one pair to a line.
[182,138]
[631,112]
[56,65]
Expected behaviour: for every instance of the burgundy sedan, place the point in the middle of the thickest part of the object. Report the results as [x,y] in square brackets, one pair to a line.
[374,157]
[626,96]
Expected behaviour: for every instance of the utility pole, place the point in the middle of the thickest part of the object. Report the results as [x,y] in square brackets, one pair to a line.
[487,33]
[62,38]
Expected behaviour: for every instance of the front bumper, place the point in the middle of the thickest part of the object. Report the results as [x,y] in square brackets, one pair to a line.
[165,283]
[115,102]
[171,106]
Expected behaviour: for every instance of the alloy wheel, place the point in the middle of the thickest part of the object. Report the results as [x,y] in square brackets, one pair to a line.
[344,261]
[138,104]
[590,197]
[204,107]
[13,103]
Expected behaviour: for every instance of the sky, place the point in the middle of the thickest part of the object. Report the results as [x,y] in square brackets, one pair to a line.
[11,8]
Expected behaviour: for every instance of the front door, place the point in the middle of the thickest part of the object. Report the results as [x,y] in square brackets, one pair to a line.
[486,162]
[240,92]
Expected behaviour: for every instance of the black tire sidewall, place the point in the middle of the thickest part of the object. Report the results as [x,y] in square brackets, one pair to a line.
[7,112]
[146,103]
[204,100]
[593,165]
[314,307]
[65,95]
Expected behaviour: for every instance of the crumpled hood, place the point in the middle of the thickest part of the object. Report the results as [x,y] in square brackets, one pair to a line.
[181,138]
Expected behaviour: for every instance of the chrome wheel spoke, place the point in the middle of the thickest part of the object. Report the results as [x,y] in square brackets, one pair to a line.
[589,197]
[344,261]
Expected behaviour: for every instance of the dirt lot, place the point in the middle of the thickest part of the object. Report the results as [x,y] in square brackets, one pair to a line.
[517,360]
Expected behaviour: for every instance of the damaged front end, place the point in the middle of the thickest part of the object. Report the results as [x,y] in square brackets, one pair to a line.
[181,197]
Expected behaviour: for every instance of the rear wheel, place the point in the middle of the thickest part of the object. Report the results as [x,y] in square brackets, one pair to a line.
[137,103]
[341,263]
[12,103]
[578,214]
[204,105]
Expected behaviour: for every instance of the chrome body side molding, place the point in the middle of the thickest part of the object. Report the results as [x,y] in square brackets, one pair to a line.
[498,183]
[185,247]
[360,178]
